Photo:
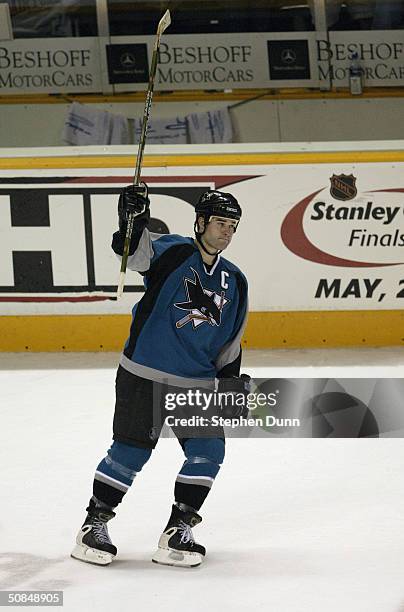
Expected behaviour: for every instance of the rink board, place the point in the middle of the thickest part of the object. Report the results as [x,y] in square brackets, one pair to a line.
[321,242]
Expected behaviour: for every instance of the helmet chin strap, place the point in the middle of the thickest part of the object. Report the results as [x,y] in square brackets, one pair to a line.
[198,236]
[199,239]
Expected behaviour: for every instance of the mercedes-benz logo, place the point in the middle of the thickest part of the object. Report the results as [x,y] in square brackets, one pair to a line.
[288,56]
[127,60]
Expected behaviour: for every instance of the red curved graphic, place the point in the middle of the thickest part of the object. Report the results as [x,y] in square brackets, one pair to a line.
[295,239]
[395,190]
[218,180]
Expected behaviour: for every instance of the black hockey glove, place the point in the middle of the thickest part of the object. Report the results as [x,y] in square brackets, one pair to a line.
[134,200]
[236,389]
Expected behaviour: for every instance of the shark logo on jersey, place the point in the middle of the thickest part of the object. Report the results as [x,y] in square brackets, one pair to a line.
[203,305]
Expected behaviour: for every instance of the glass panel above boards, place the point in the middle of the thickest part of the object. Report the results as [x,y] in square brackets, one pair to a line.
[209,16]
[365,14]
[53,18]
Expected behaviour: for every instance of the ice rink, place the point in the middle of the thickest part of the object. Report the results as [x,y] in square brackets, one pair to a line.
[291,525]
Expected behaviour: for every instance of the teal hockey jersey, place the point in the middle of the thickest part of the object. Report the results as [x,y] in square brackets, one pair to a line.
[186,329]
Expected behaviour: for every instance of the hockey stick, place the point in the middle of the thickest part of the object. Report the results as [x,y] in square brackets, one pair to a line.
[190,317]
[162,26]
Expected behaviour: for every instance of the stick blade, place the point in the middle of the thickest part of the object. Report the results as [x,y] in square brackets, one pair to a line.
[164,22]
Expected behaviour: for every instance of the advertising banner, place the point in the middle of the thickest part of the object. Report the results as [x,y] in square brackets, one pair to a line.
[312,236]
[58,65]
[186,61]
[209,62]
[380,55]
[217,61]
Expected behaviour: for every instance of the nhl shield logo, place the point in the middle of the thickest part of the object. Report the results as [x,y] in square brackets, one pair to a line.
[343,186]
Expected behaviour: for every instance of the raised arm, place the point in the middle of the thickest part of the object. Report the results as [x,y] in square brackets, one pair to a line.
[134,199]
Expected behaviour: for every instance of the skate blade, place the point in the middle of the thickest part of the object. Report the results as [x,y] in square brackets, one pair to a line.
[167,556]
[91,555]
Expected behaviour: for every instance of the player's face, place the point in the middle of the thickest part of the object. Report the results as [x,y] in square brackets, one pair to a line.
[219,233]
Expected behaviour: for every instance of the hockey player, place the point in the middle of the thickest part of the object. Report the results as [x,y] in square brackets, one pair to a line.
[186,330]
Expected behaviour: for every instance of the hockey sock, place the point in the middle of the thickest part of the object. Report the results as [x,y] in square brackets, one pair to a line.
[195,479]
[100,504]
[116,472]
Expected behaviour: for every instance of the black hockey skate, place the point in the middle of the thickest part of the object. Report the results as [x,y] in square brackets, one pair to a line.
[177,545]
[93,543]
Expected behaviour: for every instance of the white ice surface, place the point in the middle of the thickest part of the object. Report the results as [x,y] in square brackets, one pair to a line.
[291,525]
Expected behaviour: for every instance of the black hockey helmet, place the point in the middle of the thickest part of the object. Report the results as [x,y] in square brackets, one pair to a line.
[217,204]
